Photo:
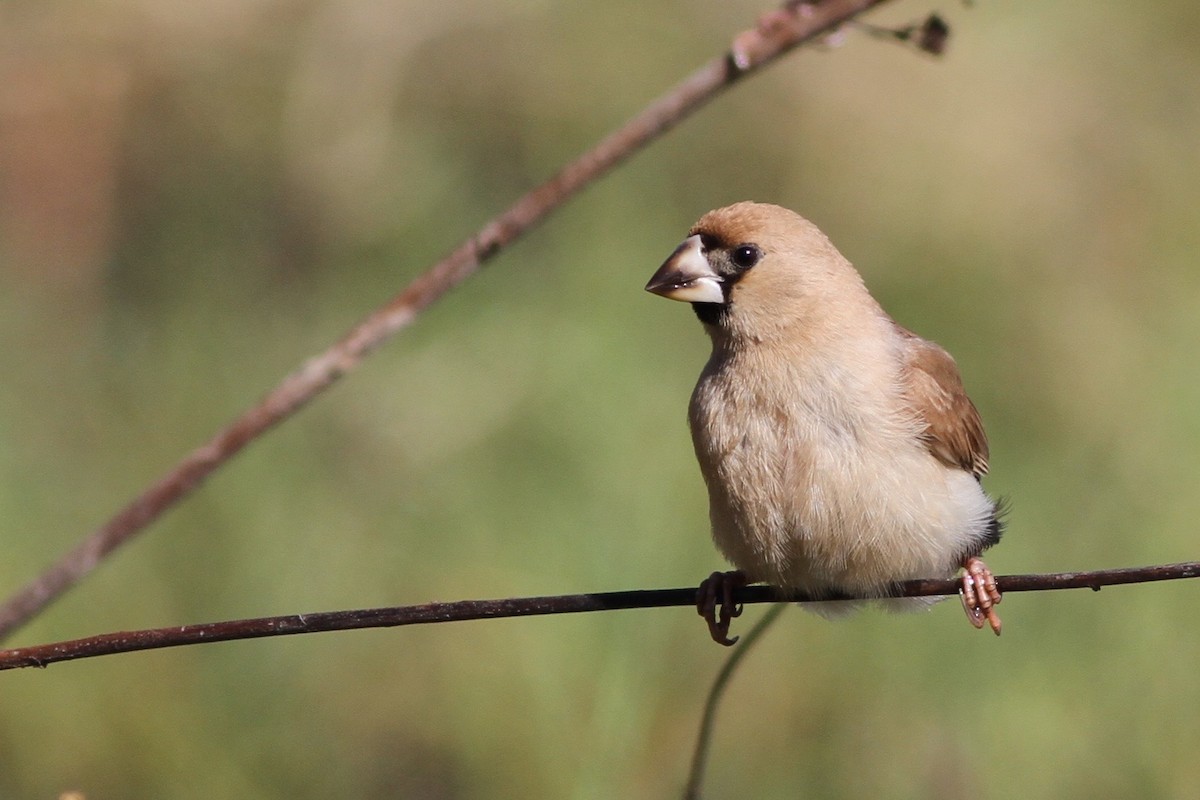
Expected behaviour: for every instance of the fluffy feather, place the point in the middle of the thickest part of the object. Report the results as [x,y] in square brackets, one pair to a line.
[840,450]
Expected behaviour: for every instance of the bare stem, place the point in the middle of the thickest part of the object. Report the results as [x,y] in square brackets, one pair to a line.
[430,613]
[751,50]
[708,721]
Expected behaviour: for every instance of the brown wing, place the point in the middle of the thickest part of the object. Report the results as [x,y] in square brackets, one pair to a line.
[953,429]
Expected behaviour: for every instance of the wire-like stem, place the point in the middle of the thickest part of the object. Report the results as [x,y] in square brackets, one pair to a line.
[429,613]
[750,51]
[709,718]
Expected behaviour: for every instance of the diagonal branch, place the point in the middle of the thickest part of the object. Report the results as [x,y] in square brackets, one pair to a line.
[430,613]
[753,49]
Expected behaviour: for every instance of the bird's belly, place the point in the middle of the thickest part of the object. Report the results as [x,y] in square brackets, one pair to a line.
[831,509]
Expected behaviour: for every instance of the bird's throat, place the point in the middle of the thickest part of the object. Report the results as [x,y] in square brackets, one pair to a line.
[711,313]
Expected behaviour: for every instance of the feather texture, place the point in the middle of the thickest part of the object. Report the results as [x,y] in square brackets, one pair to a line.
[840,450]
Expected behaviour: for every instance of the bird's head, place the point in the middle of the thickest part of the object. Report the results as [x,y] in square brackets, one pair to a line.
[754,268]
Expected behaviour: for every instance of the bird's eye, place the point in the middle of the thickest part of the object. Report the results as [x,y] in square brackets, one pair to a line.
[745,256]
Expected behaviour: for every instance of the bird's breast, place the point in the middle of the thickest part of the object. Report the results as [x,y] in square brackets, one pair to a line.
[815,485]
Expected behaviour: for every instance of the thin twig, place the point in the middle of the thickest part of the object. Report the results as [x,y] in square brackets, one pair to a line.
[751,50]
[709,718]
[176,636]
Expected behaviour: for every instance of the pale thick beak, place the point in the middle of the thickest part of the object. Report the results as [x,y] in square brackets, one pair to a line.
[686,276]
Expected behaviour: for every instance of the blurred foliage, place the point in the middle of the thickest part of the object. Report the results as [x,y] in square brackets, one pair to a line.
[194,197]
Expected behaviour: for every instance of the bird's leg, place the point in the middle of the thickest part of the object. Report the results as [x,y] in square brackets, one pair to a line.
[979,594]
[723,585]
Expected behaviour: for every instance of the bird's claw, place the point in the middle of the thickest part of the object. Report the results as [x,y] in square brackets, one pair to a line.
[722,584]
[980,594]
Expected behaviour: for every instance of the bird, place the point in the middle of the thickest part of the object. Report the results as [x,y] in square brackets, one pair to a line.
[840,450]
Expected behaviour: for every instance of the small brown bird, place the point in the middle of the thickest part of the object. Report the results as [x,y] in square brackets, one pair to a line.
[840,450]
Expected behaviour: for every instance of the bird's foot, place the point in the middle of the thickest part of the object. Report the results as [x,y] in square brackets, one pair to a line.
[979,594]
[720,585]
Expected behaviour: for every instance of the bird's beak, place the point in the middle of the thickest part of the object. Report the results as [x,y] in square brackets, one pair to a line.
[686,276]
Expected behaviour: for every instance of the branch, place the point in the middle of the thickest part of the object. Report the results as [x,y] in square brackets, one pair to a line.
[753,49]
[430,613]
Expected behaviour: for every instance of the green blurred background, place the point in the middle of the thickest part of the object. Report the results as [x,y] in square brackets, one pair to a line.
[196,196]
